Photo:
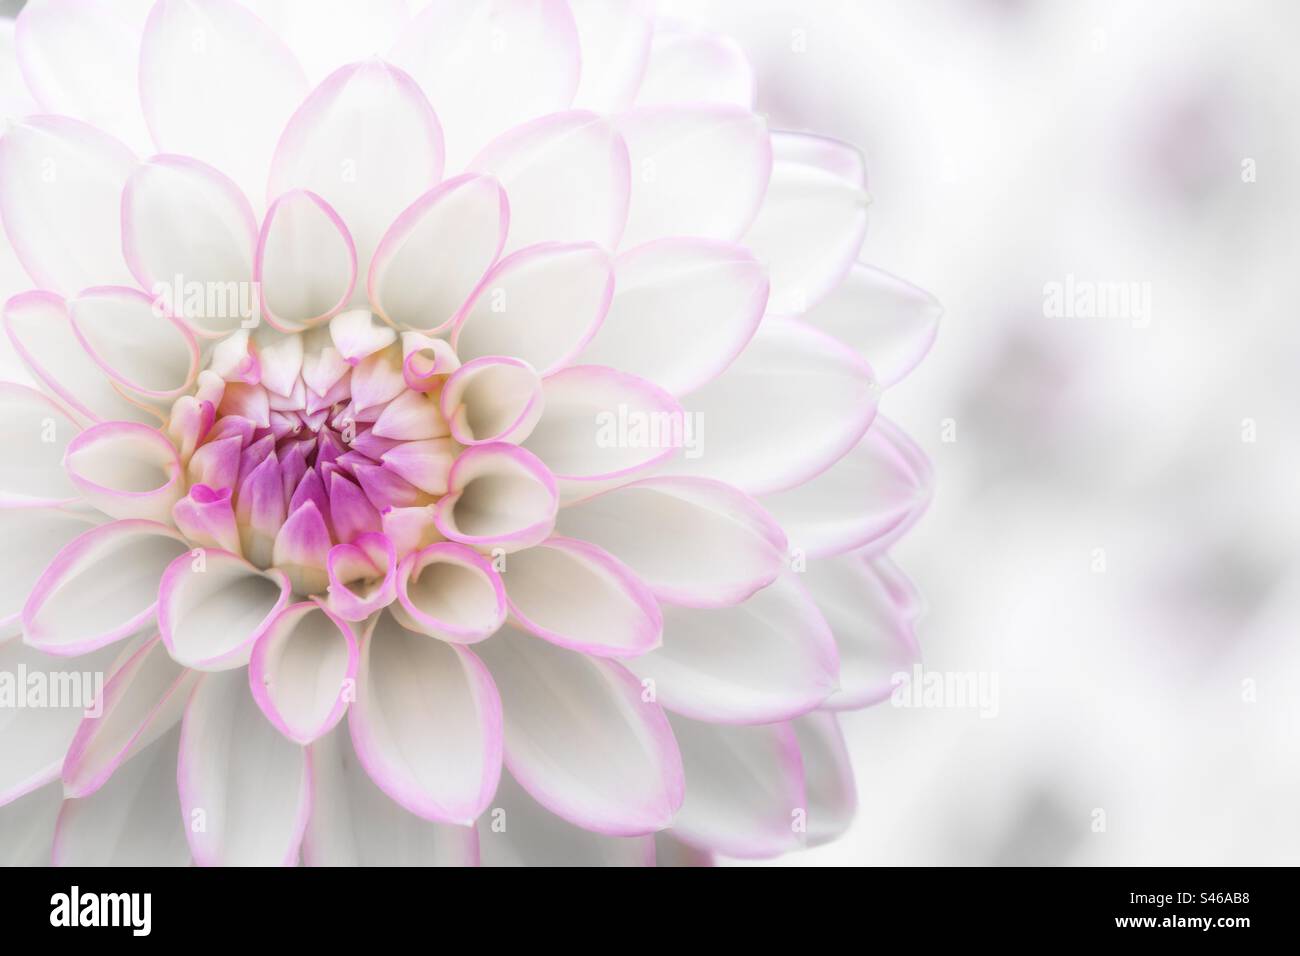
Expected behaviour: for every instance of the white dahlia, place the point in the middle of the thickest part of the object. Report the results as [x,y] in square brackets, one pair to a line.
[450,433]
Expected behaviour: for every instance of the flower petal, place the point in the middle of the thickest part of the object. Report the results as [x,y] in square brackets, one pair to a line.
[138,345]
[60,198]
[542,305]
[245,790]
[32,537]
[362,576]
[575,595]
[301,670]
[216,83]
[354,823]
[450,592]
[581,738]
[745,792]
[696,171]
[367,142]
[689,66]
[832,793]
[770,658]
[491,65]
[436,252]
[492,399]
[35,433]
[567,176]
[841,159]
[790,406]
[213,606]
[100,588]
[306,261]
[28,824]
[615,41]
[676,291]
[499,496]
[866,499]
[693,541]
[126,470]
[426,723]
[326,34]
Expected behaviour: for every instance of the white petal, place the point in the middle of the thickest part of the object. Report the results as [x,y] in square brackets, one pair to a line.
[145,351]
[499,496]
[306,261]
[126,470]
[244,789]
[832,794]
[35,432]
[32,536]
[492,399]
[28,827]
[615,41]
[694,66]
[581,738]
[326,34]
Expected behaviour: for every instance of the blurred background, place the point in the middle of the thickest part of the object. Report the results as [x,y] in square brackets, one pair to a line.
[1114,533]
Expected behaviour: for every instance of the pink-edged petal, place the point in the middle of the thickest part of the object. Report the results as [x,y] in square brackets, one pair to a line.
[351,513]
[492,399]
[32,537]
[868,498]
[426,723]
[354,823]
[207,518]
[707,293]
[326,34]
[134,819]
[582,738]
[436,252]
[138,345]
[41,332]
[214,605]
[306,262]
[696,171]
[60,198]
[578,596]
[499,496]
[873,628]
[28,824]
[302,548]
[410,529]
[448,591]
[615,41]
[491,65]
[35,433]
[126,470]
[828,776]
[888,320]
[693,541]
[834,156]
[745,794]
[362,576]
[688,66]
[791,405]
[769,658]
[101,587]
[567,176]
[810,229]
[426,361]
[216,83]
[189,235]
[542,304]
[245,790]
[425,464]
[367,141]
[602,425]
[519,831]
[302,670]
[54,41]
[411,416]
[33,740]
[356,335]
[143,699]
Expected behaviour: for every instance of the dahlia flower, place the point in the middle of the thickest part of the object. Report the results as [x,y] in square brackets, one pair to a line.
[452,434]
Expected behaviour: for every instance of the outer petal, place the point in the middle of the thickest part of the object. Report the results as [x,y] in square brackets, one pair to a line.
[491,65]
[143,349]
[745,792]
[245,790]
[367,141]
[306,261]
[60,190]
[134,820]
[696,171]
[102,587]
[354,823]
[214,605]
[770,658]
[582,739]
[499,496]
[889,321]
[689,66]
[218,84]
[448,591]
[542,305]
[302,669]
[832,794]
[567,176]
[813,398]
[126,470]
[615,41]
[518,831]
[693,541]
[436,252]
[35,432]
[32,537]
[682,310]
[426,723]
[577,596]
[866,499]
